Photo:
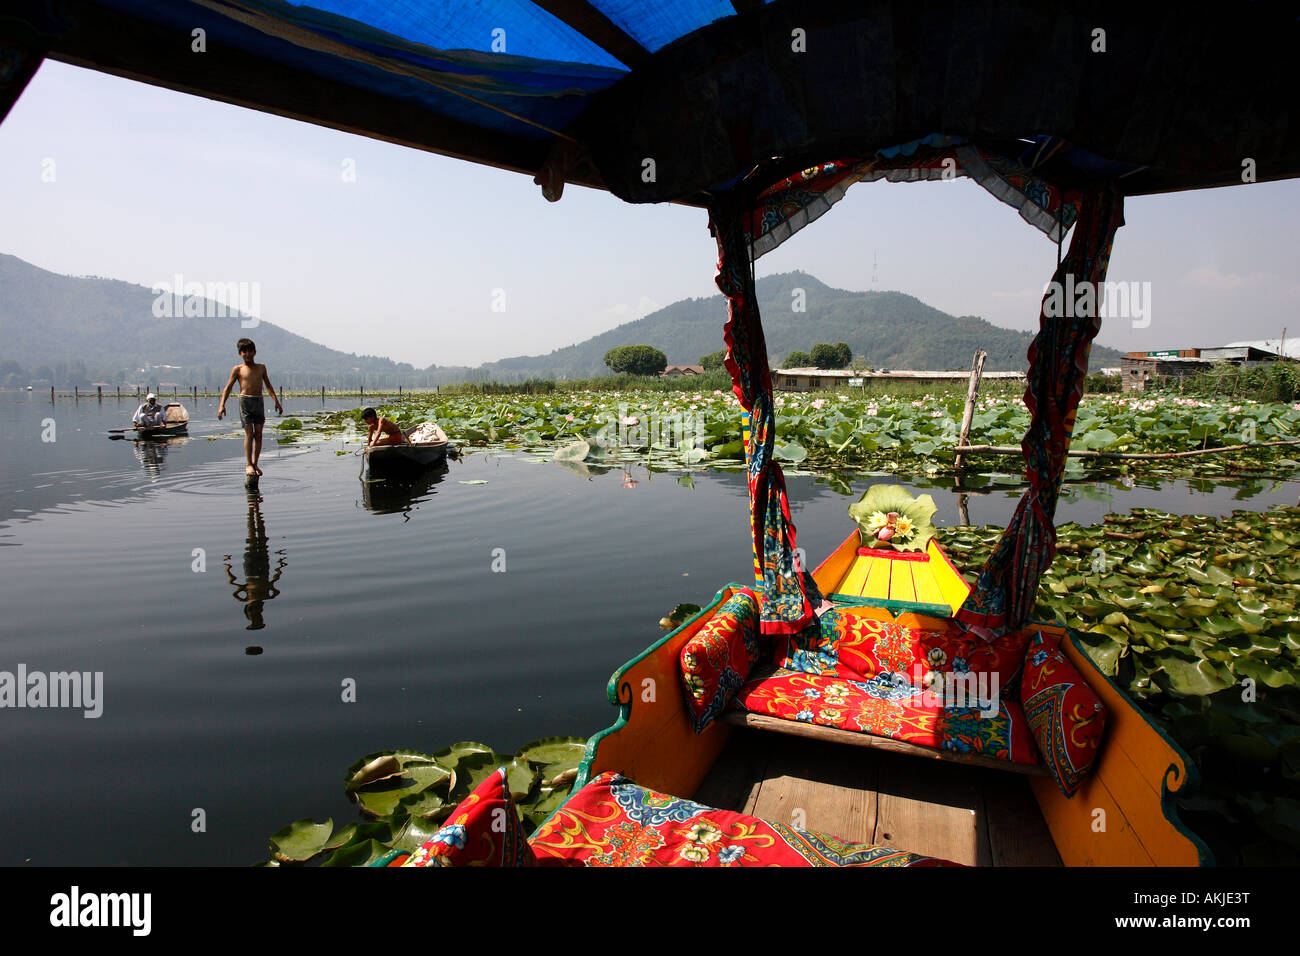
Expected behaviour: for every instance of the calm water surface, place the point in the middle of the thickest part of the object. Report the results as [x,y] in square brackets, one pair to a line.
[153,565]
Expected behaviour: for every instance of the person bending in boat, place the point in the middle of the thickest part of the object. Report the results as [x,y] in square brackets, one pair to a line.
[252,408]
[150,414]
[381,430]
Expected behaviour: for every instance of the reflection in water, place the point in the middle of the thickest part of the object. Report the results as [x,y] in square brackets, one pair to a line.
[395,495]
[152,453]
[259,580]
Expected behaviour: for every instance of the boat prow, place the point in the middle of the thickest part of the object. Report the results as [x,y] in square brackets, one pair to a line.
[923,582]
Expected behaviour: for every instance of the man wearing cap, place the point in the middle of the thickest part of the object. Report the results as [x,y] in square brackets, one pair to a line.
[150,413]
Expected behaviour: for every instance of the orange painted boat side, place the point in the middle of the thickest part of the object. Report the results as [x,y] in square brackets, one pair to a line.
[653,741]
[1124,813]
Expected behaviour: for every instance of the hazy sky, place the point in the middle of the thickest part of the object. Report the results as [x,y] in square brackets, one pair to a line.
[405,260]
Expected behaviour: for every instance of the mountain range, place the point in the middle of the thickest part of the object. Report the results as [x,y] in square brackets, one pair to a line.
[70,330]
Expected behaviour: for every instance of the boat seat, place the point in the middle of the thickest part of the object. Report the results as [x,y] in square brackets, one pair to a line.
[909,683]
[614,822]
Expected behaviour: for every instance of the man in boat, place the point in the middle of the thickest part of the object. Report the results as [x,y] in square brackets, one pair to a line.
[150,414]
[381,430]
[252,409]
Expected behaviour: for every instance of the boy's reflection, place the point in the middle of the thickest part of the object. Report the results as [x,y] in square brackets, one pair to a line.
[259,580]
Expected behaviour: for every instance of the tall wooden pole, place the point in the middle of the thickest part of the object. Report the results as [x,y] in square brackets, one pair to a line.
[976,370]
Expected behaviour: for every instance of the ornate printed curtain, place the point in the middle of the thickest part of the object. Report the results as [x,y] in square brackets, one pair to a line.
[787,206]
[1007,587]
[785,607]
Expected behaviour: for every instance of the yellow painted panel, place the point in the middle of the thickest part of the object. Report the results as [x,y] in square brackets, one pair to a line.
[927,588]
[951,584]
[856,579]
[901,587]
[877,578]
[830,573]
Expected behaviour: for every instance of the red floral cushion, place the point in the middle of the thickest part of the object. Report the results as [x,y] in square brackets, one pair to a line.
[483,830]
[947,716]
[857,644]
[1066,716]
[718,659]
[614,822]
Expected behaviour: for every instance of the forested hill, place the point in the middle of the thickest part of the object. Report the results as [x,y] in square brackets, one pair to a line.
[884,329]
[72,330]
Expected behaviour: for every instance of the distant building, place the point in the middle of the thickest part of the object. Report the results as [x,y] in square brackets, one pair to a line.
[1140,369]
[1288,349]
[673,371]
[812,379]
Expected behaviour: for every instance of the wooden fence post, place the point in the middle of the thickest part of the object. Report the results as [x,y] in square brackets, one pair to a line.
[976,370]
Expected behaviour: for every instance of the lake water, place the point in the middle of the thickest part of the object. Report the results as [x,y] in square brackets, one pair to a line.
[226,624]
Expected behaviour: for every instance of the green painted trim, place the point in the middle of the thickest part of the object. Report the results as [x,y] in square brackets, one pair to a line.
[612,691]
[1168,799]
[894,607]
[387,858]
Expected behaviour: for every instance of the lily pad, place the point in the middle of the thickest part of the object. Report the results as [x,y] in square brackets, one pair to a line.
[552,751]
[357,854]
[574,451]
[300,840]
[449,756]
[380,796]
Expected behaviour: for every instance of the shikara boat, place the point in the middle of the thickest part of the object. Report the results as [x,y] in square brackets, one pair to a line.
[410,457]
[967,808]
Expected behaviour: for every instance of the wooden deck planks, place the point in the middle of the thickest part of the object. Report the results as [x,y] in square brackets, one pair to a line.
[1017,833]
[965,814]
[931,809]
[808,787]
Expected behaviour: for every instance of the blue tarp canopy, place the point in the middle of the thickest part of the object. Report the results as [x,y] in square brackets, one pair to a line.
[674,100]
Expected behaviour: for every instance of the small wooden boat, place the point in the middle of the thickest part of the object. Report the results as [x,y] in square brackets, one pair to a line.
[423,446]
[177,423]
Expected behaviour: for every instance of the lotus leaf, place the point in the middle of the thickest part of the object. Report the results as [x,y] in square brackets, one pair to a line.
[300,840]
[886,499]
[357,854]
[556,750]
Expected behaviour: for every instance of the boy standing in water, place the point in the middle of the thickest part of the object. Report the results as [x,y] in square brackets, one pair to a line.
[252,410]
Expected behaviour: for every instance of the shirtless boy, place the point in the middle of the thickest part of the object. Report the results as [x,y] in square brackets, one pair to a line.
[252,411]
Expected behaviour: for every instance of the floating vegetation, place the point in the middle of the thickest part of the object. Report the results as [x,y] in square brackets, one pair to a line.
[678,616]
[1196,619]
[826,432]
[405,797]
